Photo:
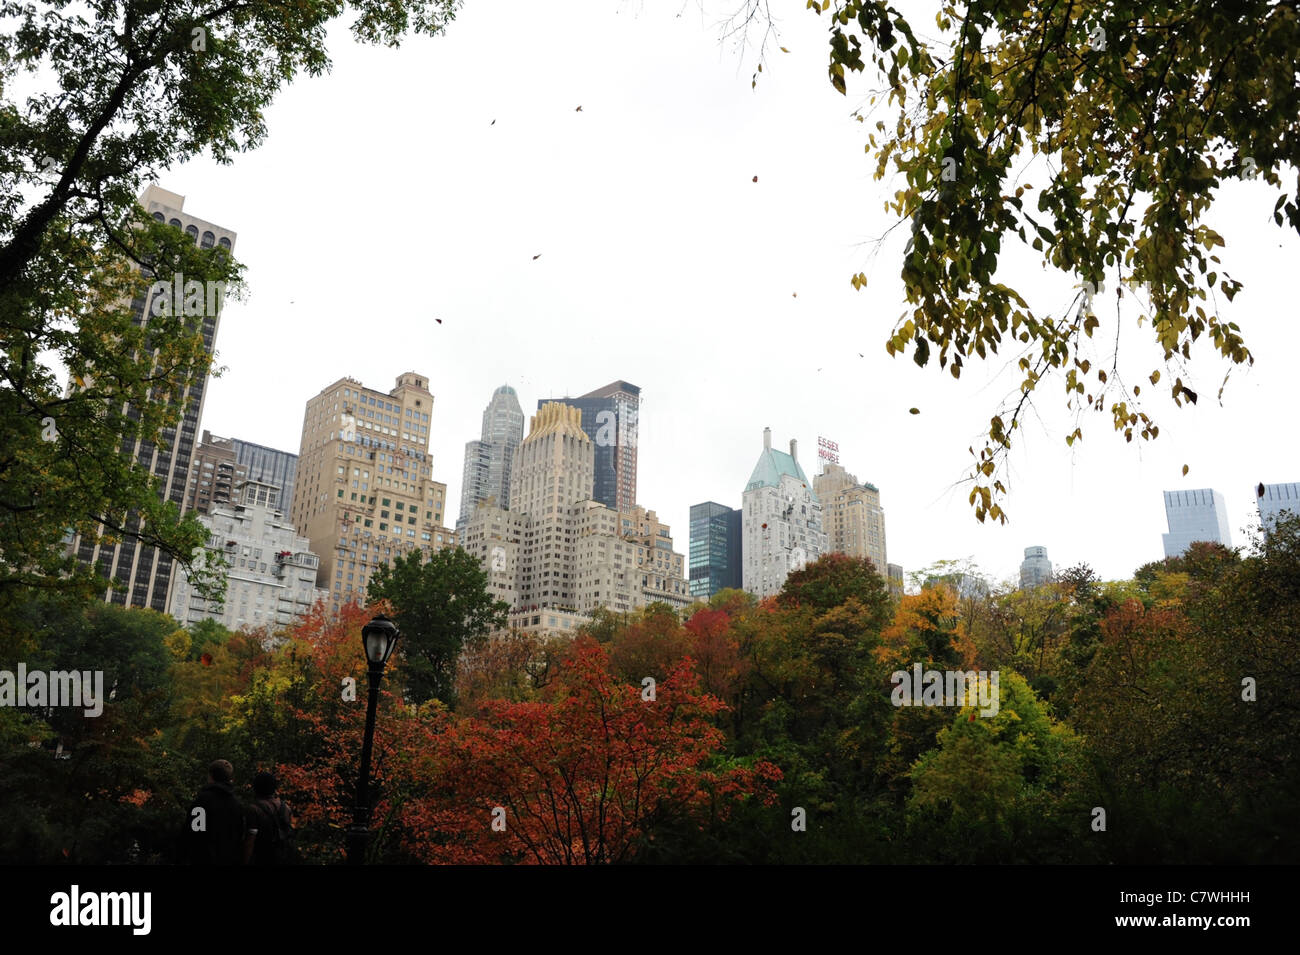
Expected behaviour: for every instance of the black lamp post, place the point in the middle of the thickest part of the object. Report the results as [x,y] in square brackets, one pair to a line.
[379,637]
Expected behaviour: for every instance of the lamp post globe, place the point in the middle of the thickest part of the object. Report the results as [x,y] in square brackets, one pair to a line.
[379,637]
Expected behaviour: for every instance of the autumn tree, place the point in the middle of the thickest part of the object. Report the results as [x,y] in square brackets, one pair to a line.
[650,644]
[513,666]
[441,605]
[1094,137]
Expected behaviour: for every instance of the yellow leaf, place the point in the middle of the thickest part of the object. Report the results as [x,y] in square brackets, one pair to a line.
[784,50]
[1184,470]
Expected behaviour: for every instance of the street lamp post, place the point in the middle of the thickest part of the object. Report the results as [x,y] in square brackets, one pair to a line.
[379,637]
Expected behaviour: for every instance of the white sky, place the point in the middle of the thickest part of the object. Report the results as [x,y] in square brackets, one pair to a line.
[384,197]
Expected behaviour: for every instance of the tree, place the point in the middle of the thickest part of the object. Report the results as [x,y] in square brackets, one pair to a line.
[1126,116]
[1013,787]
[833,578]
[441,607]
[122,90]
[584,777]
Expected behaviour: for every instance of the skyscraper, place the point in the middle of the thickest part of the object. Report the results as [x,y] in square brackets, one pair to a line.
[1276,499]
[1035,569]
[557,554]
[782,520]
[141,575]
[270,467]
[365,489]
[1198,515]
[716,558]
[488,460]
[610,419]
[852,517]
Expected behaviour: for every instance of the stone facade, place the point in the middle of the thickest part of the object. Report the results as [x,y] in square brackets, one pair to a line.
[365,490]
[557,554]
[271,573]
[782,522]
[852,517]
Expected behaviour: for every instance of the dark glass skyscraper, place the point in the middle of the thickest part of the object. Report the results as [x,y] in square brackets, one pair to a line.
[715,561]
[610,417]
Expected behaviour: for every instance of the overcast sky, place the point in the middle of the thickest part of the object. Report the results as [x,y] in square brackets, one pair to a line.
[386,197]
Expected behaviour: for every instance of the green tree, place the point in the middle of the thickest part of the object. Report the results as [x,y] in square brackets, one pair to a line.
[122,90]
[1013,787]
[1094,134]
[442,606]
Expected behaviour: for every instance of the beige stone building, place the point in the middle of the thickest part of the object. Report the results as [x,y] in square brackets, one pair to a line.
[852,518]
[557,554]
[365,491]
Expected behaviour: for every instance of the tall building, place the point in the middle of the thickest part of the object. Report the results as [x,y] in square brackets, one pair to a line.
[610,419]
[895,579]
[556,554]
[214,474]
[488,461]
[365,490]
[1194,516]
[1035,569]
[716,556]
[552,472]
[141,575]
[271,571]
[852,517]
[270,467]
[1275,499]
[782,523]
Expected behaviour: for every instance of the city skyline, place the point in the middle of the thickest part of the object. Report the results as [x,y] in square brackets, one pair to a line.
[700,285]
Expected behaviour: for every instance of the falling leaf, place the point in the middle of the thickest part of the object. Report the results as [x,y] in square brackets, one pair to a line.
[438,320]
[578,110]
[913,410]
[756,179]
[859,354]
[1184,469]
[493,123]
[537,256]
[794,294]
[1259,491]
[784,50]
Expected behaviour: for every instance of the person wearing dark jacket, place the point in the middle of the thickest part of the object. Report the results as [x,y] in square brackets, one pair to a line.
[217,830]
[272,821]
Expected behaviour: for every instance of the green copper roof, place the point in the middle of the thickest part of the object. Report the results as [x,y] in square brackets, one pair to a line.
[772,464]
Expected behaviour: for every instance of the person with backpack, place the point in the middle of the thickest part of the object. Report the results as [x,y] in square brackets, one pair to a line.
[270,819]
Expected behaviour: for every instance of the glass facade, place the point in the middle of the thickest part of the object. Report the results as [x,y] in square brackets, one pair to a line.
[715,558]
[270,467]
